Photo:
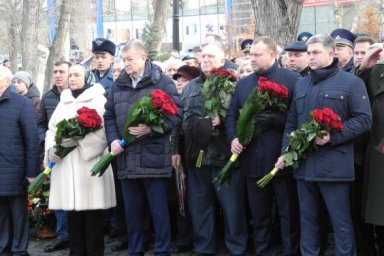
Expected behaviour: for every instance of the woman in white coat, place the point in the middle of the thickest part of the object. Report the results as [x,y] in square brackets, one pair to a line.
[73,189]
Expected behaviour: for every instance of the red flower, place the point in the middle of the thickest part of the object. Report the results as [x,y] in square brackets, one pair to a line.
[88,118]
[318,115]
[327,117]
[163,101]
[276,89]
[224,74]
[169,109]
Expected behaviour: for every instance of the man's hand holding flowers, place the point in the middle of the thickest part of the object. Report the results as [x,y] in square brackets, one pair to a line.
[140,130]
[116,149]
[146,115]
[216,121]
[324,140]
[236,147]
[319,141]
[305,139]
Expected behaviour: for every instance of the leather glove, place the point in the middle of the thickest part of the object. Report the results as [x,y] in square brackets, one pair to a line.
[52,156]
[68,143]
[266,119]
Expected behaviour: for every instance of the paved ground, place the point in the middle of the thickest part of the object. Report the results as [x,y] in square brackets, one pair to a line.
[36,248]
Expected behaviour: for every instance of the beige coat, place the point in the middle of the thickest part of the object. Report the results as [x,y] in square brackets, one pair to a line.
[72,186]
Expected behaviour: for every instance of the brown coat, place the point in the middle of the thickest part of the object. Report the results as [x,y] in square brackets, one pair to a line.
[373,199]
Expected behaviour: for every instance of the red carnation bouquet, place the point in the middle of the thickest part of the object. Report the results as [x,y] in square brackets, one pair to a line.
[268,95]
[302,141]
[150,110]
[86,121]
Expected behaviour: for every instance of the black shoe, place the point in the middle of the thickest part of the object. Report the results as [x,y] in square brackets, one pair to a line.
[56,246]
[114,233]
[120,247]
[181,249]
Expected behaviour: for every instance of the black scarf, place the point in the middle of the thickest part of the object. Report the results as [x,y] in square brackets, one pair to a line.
[321,74]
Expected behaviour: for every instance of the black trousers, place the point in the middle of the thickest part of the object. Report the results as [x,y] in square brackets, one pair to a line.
[14,225]
[86,233]
[365,235]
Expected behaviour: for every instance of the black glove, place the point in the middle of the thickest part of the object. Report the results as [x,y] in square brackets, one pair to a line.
[266,119]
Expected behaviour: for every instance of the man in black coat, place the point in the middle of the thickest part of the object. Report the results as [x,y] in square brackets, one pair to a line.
[208,135]
[297,57]
[326,173]
[260,155]
[48,105]
[19,163]
[145,165]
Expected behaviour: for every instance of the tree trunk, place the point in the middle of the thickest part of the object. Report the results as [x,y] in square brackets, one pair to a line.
[25,34]
[12,24]
[34,62]
[57,46]
[278,19]
[337,13]
[156,30]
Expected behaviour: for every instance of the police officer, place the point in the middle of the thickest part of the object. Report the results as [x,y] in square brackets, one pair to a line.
[304,36]
[246,48]
[344,48]
[103,53]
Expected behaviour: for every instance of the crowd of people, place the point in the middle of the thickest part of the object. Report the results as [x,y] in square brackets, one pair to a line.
[337,188]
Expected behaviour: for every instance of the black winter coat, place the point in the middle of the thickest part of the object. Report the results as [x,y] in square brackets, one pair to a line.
[216,149]
[150,156]
[19,143]
[261,154]
[48,105]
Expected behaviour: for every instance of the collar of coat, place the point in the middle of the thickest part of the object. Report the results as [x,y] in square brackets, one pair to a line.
[87,95]
[6,94]
[151,75]
[108,74]
[270,70]
[321,74]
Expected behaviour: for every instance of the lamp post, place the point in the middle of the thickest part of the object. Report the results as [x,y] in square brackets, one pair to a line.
[175,27]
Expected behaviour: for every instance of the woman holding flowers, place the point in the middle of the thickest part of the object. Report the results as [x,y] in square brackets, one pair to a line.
[326,173]
[73,189]
[261,153]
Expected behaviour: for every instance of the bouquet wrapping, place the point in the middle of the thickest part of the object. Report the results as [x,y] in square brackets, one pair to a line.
[86,121]
[302,141]
[149,110]
[267,95]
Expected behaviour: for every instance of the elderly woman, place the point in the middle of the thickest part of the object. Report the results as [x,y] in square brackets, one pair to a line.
[245,69]
[73,189]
